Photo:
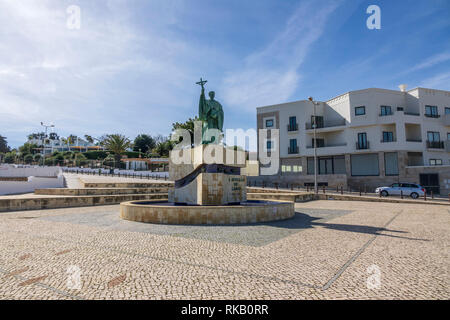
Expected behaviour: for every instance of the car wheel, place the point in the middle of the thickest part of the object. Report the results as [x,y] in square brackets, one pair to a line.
[384,193]
[414,195]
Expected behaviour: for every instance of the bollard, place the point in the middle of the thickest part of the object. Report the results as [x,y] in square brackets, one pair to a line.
[360,191]
[292,187]
[323,189]
[449,197]
[401,194]
[432,196]
[342,189]
[425,196]
[379,193]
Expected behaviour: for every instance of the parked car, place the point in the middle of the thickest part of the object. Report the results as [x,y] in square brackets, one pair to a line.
[408,189]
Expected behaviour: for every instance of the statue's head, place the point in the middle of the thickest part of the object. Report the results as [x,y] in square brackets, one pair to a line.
[212,94]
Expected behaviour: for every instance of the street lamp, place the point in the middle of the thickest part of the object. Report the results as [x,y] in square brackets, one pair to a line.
[314,142]
[46,127]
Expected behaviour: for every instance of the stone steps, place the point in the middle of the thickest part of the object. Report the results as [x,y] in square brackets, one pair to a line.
[294,197]
[39,203]
[99,191]
[88,184]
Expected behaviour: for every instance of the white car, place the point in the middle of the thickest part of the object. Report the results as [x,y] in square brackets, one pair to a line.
[408,189]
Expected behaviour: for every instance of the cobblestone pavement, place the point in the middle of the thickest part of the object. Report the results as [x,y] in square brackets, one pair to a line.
[330,250]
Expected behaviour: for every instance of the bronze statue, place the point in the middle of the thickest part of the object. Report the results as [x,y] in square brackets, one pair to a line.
[210,112]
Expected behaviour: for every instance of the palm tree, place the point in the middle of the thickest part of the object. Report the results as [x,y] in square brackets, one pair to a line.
[89,138]
[118,144]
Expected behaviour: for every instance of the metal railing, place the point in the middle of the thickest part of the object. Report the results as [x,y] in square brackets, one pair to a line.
[435,144]
[362,146]
[293,127]
[292,150]
[325,124]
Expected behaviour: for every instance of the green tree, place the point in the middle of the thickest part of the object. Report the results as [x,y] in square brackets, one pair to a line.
[4,145]
[10,157]
[163,148]
[118,144]
[80,159]
[89,138]
[188,125]
[28,158]
[28,148]
[143,143]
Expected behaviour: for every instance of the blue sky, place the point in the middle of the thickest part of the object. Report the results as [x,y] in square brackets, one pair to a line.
[132,66]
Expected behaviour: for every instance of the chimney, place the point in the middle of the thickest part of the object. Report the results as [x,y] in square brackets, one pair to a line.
[403,87]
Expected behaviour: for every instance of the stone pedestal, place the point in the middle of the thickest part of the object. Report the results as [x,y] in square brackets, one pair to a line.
[211,176]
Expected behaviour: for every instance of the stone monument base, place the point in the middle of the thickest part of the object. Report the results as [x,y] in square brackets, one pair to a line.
[168,213]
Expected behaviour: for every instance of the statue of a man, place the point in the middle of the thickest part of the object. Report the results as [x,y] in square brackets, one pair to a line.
[210,112]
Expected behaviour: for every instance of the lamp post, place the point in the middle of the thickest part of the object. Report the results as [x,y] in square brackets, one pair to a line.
[315,143]
[43,150]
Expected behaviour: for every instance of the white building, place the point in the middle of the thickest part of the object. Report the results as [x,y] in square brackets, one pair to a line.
[365,138]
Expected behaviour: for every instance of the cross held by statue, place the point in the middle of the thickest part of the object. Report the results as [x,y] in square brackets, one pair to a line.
[201,82]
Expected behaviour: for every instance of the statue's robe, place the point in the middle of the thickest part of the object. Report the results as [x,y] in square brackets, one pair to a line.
[210,113]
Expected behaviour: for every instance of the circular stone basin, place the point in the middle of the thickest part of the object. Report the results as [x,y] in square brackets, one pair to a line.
[251,211]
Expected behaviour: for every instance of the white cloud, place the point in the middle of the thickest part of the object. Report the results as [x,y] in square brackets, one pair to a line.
[83,80]
[431,61]
[271,75]
[439,81]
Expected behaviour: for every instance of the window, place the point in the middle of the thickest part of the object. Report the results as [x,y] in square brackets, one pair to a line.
[391,163]
[388,136]
[269,145]
[292,124]
[447,110]
[293,168]
[319,120]
[362,141]
[269,123]
[448,135]
[433,136]
[320,143]
[386,110]
[395,185]
[364,164]
[435,162]
[293,146]
[359,111]
[327,165]
[431,111]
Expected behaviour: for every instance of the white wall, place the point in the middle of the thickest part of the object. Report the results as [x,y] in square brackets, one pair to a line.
[16,187]
[15,171]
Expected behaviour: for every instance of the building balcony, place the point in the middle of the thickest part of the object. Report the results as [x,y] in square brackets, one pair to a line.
[408,113]
[385,114]
[435,144]
[447,145]
[292,127]
[327,145]
[362,146]
[446,120]
[387,141]
[325,124]
[413,140]
[432,115]
[292,150]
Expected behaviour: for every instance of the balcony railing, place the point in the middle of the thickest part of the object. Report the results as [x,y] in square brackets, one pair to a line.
[326,124]
[432,115]
[411,113]
[292,127]
[435,144]
[328,145]
[413,140]
[292,150]
[362,146]
[383,114]
[387,141]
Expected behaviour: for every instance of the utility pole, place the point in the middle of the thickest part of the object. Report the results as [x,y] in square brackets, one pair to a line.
[315,143]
